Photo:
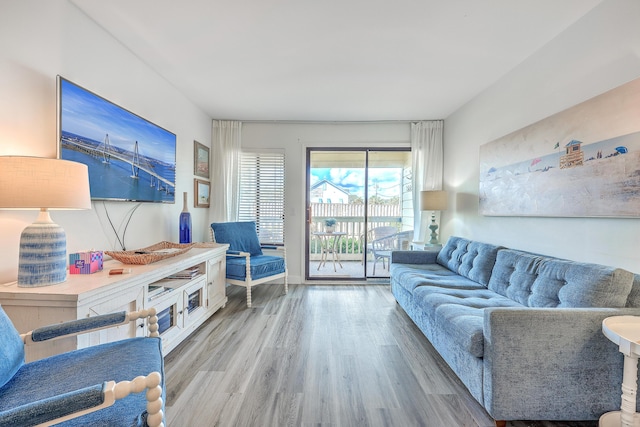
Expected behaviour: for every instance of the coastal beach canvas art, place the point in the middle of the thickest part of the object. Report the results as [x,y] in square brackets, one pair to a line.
[581,162]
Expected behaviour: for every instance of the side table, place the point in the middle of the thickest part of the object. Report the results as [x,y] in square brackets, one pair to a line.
[421,246]
[625,332]
[329,244]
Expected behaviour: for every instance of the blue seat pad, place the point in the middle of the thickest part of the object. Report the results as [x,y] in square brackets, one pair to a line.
[117,361]
[261,266]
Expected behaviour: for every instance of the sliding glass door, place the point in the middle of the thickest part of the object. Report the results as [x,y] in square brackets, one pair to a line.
[358,209]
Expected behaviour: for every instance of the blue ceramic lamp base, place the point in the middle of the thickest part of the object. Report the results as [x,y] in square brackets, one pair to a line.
[43,253]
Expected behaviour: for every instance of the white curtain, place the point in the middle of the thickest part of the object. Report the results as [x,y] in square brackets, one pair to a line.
[427,160]
[225,161]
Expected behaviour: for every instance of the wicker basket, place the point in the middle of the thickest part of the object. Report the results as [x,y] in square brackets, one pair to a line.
[151,254]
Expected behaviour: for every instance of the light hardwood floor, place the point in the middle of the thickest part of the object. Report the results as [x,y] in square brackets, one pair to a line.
[319,356]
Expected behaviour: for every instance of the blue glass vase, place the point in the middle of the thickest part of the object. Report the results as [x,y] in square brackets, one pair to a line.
[185,221]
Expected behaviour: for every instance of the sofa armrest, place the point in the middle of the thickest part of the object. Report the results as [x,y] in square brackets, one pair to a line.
[550,363]
[413,257]
[90,324]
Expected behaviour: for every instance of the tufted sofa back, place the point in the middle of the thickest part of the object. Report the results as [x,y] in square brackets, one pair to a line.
[540,281]
[473,260]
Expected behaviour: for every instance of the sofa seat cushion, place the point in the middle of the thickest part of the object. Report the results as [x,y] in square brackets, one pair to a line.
[473,260]
[459,313]
[540,281]
[410,276]
[117,361]
[261,266]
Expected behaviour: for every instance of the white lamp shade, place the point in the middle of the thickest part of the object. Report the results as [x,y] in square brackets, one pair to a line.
[433,200]
[37,183]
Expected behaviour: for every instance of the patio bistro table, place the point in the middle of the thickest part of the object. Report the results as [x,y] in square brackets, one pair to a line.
[329,242]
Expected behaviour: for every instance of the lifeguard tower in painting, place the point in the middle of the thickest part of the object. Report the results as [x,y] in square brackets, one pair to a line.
[574,156]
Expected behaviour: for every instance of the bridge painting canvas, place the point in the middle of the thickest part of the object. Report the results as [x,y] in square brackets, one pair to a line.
[129,158]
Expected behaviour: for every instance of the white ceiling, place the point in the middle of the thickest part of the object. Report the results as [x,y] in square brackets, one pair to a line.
[333,60]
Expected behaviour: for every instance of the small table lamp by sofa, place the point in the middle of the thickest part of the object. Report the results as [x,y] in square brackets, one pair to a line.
[39,183]
[433,201]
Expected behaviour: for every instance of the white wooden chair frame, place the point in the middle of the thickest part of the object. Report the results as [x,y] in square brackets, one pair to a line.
[249,282]
[119,390]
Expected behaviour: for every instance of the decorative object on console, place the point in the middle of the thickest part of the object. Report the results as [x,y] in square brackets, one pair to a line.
[200,160]
[433,201]
[85,262]
[40,183]
[150,254]
[185,221]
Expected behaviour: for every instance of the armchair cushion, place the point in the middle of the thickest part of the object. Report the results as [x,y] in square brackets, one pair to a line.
[88,367]
[241,236]
[260,266]
[11,349]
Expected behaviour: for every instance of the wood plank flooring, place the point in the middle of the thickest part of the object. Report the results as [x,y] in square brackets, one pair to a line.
[341,355]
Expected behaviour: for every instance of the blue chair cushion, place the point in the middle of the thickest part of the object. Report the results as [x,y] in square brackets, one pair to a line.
[261,266]
[11,349]
[241,236]
[63,373]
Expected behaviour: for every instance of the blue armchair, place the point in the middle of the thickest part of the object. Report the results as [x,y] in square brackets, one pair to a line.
[93,386]
[248,262]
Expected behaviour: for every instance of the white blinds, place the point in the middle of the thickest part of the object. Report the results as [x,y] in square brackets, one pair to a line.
[262,194]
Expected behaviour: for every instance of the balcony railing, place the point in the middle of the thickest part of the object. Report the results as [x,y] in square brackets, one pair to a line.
[350,220]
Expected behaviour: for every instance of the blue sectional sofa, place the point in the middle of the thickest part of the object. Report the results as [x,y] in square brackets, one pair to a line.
[521,331]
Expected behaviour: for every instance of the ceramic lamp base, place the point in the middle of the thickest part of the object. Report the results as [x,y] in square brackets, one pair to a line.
[43,255]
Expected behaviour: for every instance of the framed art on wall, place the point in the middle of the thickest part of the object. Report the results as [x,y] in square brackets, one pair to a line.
[581,162]
[200,160]
[202,190]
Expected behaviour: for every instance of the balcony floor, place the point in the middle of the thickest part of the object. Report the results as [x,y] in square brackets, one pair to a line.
[349,270]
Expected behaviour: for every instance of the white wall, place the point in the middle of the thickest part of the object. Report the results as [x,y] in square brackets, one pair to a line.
[41,39]
[295,138]
[599,52]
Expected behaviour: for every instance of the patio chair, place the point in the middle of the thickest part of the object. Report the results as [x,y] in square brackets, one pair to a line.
[248,264]
[94,386]
[374,234]
[383,246]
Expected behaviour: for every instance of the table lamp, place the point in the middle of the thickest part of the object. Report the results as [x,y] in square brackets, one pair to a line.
[37,183]
[433,201]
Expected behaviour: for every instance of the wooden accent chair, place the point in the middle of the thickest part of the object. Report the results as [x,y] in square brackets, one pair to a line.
[98,385]
[249,263]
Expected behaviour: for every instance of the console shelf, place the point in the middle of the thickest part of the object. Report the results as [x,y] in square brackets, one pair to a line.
[183,304]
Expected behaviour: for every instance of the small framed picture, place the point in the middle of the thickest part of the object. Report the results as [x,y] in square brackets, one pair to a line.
[202,190]
[200,160]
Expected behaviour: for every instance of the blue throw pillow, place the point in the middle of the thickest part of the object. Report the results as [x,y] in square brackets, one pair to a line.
[241,236]
[11,350]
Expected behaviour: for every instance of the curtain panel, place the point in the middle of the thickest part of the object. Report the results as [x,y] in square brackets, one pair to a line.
[427,164]
[225,153]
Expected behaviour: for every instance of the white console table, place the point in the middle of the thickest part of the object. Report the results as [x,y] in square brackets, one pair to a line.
[182,304]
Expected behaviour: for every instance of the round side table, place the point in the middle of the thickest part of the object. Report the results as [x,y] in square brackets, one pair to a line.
[625,332]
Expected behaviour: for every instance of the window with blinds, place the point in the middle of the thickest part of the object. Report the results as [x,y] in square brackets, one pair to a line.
[262,194]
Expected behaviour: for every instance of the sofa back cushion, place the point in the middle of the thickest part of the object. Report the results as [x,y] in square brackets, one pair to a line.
[540,281]
[634,296]
[473,260]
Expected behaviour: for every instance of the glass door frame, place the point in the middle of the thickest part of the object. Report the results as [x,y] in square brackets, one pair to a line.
[307,208]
